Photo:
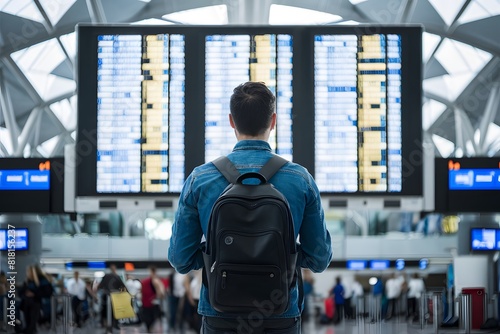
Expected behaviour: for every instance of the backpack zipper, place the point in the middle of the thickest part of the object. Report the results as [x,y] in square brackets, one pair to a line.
[223,283]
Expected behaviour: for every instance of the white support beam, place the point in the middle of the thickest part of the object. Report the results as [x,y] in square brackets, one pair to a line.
[96,11]
[46,21]
[406,11]
[27,132]
[249,12]
[8,111]
[31,91]
[489,115]
[35,138]
[62,141]
[5,153]
[464,130]
[23,80]
[50,29]
[459,132]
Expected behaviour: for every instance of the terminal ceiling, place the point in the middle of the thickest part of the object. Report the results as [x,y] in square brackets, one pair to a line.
[461,51]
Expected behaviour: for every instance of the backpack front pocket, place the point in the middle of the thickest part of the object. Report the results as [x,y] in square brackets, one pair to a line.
[246,288]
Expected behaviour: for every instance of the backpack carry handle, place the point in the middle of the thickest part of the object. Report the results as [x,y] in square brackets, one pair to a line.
[229,171]
[251,175]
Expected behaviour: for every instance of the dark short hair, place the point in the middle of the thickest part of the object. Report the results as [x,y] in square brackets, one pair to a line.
[252,106]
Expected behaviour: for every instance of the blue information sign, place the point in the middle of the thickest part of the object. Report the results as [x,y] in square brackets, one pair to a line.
[474,179]
[24,179]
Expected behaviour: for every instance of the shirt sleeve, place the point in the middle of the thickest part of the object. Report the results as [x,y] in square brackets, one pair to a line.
[184,252]
[315,241]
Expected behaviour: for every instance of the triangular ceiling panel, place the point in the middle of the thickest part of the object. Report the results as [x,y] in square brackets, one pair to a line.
[484,34]
[18,33]
[433,68]
[380,11]
[424,13]
[21,102]
[78,13]
[63,70]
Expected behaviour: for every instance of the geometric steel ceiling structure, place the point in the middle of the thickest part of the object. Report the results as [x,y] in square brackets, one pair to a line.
[461,52]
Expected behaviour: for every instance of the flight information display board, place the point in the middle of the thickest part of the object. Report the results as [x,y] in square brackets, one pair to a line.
[139,113]
[234,59]
[154,104]
[358,113]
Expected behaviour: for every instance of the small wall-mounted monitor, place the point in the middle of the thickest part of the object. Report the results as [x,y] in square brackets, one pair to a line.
[467,184]
[356,264]
[31,185]
[380,264]
[14,239]
[485,239]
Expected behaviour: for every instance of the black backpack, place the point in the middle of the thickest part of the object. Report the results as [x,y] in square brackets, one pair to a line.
[250,255]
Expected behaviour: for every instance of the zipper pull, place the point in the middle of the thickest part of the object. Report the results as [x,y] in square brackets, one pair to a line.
[213,267]
[223,283]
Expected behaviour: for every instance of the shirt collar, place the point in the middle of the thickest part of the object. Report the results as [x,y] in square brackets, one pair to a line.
[248,144]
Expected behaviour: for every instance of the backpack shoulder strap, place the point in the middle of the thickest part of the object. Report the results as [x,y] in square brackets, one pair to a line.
[272,166]
[227,169]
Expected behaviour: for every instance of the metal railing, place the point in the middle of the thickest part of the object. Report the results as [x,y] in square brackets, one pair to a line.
[60,322]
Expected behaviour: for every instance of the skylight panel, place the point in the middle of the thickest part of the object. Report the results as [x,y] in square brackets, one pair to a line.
[5,139]
[69,43]
[55,10]
[37,62]
[431,111]
[443,145]
[492,134]
[448,10]
[462,62]
[348,22]
[22,8]
[480,9]
[283,15]
[355,2]
[447,86]
[65,112]
[152,21]
[211,15]
[48,146]
[429,43]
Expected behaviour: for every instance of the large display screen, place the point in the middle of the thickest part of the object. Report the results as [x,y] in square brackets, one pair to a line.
[135,130]
[140,113]
[358,107]
[154,104]
[467,184]
[233,59]
[33,185]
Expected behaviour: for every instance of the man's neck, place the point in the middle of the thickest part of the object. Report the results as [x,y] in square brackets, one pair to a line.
[264,137]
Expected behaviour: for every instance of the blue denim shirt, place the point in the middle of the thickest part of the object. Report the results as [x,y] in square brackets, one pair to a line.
[200,192]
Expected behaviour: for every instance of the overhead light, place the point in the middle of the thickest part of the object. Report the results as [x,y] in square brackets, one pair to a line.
[355,2]
[283,15]
[209,15]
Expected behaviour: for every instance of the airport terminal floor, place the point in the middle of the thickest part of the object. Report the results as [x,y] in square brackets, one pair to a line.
[395,326]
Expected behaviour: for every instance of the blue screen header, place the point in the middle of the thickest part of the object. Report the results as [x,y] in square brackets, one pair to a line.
[474,179]
[24,179]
